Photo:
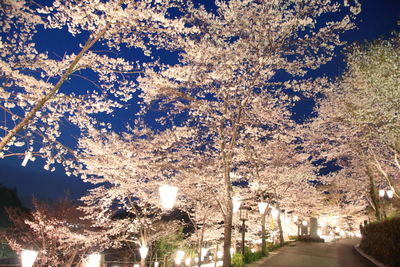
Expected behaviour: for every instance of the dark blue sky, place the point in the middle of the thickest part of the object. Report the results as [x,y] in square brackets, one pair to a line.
[378,19]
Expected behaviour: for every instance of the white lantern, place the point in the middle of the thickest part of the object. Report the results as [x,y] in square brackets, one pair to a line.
[168,196]
[275,213]
[295,218]
[304,223]
[381,193]
[94,260]
[220,254]
[262,207]
[26,159]
[143,251]
[204,252]
[236,204]
[178,260]
[156,263]
[187,261]
[28,257]
[389,193]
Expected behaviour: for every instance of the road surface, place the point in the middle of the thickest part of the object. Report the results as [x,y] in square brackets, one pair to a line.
[341,253]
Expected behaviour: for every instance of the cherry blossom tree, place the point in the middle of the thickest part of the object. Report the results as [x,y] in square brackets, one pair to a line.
[41,92]
[248,43]
[56,232]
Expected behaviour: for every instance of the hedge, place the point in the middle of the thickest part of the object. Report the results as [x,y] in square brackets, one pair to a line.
[381,240]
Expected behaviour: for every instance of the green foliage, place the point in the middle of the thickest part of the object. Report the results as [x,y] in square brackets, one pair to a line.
[293,237]
[168,244]
[381,240]
[250,257]
[237,260]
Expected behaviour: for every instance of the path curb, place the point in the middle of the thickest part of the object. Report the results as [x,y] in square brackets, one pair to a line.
[368,257]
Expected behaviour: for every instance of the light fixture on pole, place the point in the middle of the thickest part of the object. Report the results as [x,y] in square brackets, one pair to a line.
[28,257]
[304,223]
[168,196]
[389,193]
[381,192]
[262,206]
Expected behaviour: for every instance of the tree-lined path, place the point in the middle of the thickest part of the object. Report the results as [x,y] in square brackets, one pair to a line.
[319,255]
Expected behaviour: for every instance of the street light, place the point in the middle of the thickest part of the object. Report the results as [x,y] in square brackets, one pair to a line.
[168,196]
[389,193]
[28,257]
[243,217]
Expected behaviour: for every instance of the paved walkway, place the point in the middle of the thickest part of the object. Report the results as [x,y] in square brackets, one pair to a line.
[341,253]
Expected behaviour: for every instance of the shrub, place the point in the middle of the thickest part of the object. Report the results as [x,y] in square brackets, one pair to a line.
[237,260]
[381,240]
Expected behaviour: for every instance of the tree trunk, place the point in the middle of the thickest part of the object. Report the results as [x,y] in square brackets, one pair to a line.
[281,240]
[373,194]
[227,238]
[263,235]
[200,246]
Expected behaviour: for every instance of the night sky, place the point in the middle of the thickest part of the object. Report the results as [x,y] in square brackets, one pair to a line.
[378,19]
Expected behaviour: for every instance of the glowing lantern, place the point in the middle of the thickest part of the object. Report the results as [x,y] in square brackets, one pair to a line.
[389,193]
[26,159]
[262,206]
[220,254]
[94,260]
[304,223]
[28,257]
[143,251]
[236,204]
[274,213]
[187,261]
[381,193]
[168,196]
[156,263]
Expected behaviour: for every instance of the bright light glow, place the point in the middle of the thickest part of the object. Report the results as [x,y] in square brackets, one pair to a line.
[143,251]
[389,193]
[180,254]
[232,250]
[187,261]
[236,201]
[262,206]
[94,260]
[26,159]
[156,263]
[274,213]
[304,223]
[136,265]
[381,193]
[220,254]
[204,252]
[319,232]
[28,257]
[295,218]
[178,260]
[168,196]
[323,224]
[253,250]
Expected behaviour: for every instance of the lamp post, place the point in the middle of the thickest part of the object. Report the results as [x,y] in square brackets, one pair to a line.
[385,195]
[244,215]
